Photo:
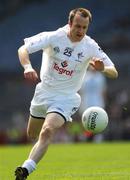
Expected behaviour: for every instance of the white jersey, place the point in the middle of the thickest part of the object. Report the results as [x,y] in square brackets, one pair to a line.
[64,63]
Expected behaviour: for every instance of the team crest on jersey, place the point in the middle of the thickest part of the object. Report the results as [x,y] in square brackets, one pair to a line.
[56,49]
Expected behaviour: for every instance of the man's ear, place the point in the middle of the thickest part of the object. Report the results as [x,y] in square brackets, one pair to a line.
[70,24]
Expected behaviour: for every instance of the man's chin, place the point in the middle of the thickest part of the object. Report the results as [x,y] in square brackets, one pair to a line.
[79,38]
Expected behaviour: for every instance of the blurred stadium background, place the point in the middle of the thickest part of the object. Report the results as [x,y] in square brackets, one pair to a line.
[23,18]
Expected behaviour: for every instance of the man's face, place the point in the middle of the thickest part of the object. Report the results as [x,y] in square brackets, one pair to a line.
[78,28]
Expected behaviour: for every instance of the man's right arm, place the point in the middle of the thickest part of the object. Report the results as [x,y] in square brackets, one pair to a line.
[29,73]
[33,44]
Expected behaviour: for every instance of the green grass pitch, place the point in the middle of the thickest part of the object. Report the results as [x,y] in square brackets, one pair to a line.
[86,161]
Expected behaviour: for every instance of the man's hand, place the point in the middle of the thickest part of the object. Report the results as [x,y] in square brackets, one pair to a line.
[97,64]
[30,74]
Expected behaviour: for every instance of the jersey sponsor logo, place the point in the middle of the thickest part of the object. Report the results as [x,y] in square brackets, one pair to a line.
[62,70]
[64,64]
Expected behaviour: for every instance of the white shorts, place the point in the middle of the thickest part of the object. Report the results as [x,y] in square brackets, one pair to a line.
[47,101]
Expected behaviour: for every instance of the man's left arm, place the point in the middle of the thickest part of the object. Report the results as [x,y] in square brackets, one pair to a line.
[101,62]
[108,70]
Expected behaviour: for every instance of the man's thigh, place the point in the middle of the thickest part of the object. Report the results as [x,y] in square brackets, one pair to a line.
[34,127]
[54,120]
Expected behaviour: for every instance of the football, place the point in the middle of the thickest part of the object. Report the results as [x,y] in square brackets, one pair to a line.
[95,119]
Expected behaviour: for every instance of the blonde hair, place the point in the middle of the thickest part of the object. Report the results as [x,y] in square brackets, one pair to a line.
[82,11]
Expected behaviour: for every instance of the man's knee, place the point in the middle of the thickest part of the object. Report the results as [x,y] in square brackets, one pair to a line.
[46,133]
[32,135]
[34,127]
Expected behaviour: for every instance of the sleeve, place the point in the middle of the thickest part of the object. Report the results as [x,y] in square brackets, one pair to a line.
[38,42]
[99,53]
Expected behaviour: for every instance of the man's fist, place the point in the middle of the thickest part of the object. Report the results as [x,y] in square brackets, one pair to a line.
[30,74]
[97,64]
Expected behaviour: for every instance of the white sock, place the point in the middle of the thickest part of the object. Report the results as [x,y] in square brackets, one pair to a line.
[30,165]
